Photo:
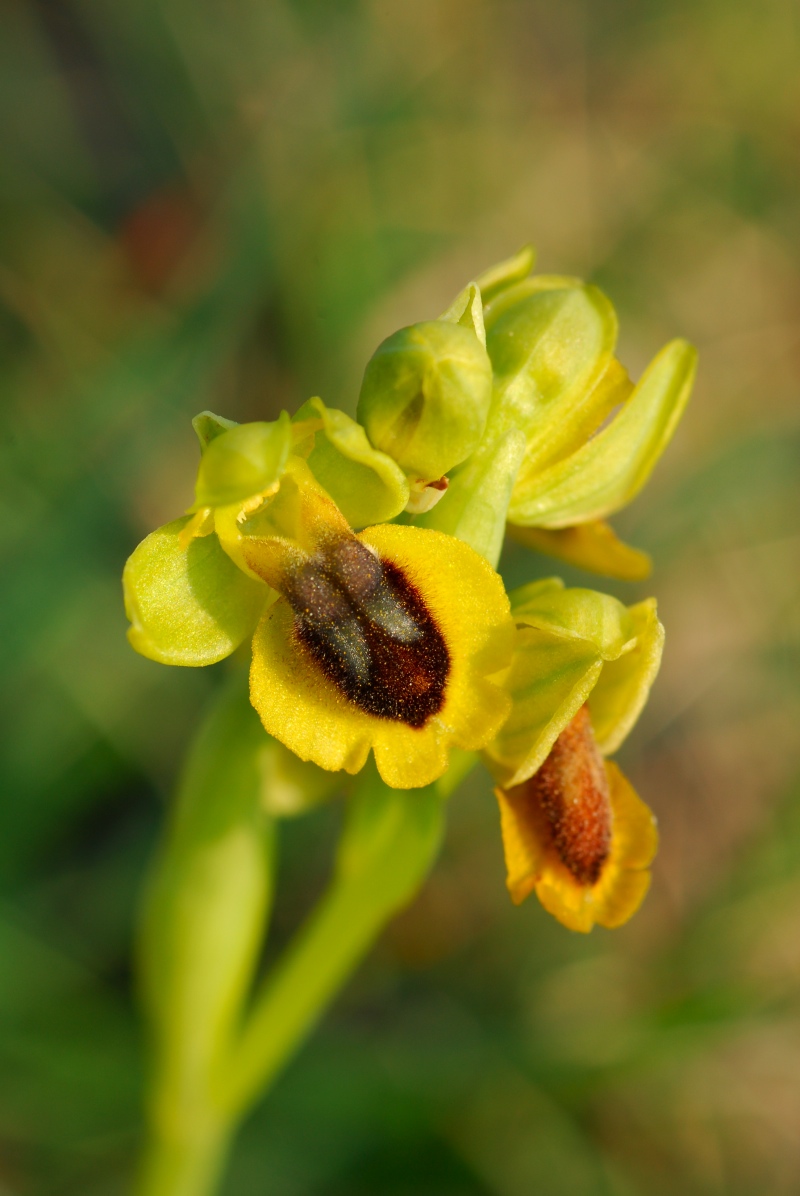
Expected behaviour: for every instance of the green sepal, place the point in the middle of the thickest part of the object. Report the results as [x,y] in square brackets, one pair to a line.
[576,613]
[551,344]
[242,461]
[366,485]
[610,469]
[209,426]
[550,679]
[206,905]
[188,606]
[474,507]
[591,546]
[575,646]
[624,684]
[467,310]
[506,273]
[425,397]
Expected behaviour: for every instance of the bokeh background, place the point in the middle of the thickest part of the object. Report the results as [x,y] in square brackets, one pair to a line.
[228,205]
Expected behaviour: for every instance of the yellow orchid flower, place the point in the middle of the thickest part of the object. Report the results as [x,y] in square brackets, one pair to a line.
[578,835]
[574,830]
[397,638]
[386,640]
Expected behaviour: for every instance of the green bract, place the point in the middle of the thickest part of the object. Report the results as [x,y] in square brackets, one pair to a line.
[366,485]
[574,646]
[425,396]
[243,460]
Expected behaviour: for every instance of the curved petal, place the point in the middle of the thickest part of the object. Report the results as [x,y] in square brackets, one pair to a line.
[187,605]
[621,692]
[209,426]
[506,273]
[241,461]
[575,613]
[611,468]
[366,485]
[550,679]
[303,708]
[467,310]
[591,546]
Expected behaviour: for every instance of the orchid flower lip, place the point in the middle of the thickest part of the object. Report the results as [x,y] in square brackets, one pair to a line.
[368,629]
[572,791]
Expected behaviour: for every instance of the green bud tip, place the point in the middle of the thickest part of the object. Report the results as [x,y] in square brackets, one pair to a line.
[425,397]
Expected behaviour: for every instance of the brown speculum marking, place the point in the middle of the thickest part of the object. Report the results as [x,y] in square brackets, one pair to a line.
[571,791]
[368,628]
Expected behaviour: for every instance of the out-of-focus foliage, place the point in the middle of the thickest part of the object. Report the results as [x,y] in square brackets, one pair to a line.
[230,206]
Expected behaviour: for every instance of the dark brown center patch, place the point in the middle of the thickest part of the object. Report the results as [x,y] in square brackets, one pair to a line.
[369,630]
[571,790]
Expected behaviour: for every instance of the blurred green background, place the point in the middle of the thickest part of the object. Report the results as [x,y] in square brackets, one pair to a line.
[229,205]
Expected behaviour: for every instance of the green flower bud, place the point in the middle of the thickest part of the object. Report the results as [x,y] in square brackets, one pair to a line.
[243,460]
[425,397]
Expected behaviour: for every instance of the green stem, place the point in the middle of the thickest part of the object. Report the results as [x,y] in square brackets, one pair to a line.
[340,932]
[389,843]
[184,1164]
[207,1079]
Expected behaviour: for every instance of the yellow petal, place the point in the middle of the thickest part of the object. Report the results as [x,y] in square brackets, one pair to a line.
[303,708]
[591,546]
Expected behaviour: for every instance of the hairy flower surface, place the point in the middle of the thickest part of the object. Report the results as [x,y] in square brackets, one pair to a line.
[388,640]
[574,831]
[578,835]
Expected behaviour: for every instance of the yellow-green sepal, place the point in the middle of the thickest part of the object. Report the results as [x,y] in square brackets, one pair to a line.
[513,269]
[188,605]
[209,426]
[576,613]
[425,397]
[624,684]
[591,546]
[550,679]
[242,461]
[610,469]
[551,342]
[367,485]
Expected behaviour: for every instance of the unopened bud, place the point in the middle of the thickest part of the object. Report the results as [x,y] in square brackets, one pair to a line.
[425,397]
